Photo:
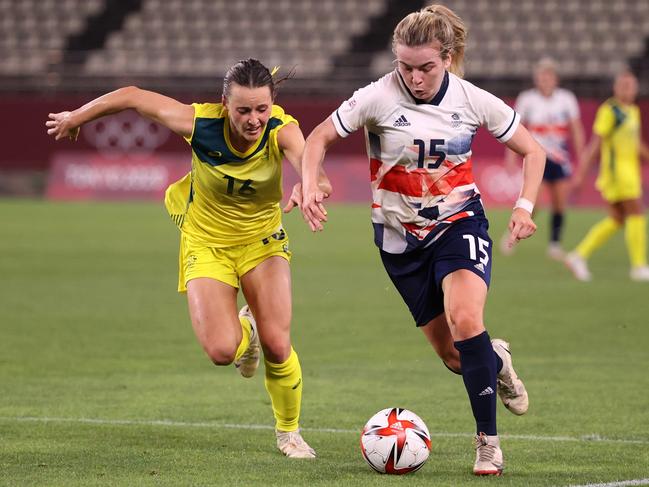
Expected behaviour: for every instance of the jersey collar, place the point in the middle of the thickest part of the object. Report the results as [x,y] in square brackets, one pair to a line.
[250,151]
[436,100]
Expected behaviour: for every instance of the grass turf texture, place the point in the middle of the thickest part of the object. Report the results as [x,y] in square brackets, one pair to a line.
[91,328]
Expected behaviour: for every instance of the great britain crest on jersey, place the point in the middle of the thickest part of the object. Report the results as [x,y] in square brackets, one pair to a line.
[420,155]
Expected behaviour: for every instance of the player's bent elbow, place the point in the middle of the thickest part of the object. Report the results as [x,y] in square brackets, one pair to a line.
[130,90]
[129,96]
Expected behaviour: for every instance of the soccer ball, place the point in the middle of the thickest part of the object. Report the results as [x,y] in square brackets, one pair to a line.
[395,441]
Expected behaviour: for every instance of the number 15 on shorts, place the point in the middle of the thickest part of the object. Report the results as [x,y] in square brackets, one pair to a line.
[480,246]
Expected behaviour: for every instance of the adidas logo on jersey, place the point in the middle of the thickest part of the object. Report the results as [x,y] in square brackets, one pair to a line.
[480,267]
[401,122]
[486,392]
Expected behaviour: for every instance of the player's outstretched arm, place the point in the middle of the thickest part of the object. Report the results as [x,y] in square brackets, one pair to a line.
[521,224]
[578,137]
[176,116]
[644,151]
[291,142]
[317,143]
[588,156]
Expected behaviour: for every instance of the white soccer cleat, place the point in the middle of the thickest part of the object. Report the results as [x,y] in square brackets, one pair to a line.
[249,361]
[511,389]
[555,252]
[577,264]
[291,444]
[488,455]
[640,274]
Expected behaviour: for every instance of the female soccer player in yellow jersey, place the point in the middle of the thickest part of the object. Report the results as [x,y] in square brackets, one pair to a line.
[228,212]
[617,138]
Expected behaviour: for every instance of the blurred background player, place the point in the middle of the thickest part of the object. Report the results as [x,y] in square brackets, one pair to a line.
[227,209]
[428,218]
[551,114]
[617,139]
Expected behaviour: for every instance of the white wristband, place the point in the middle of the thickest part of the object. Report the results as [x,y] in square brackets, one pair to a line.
[525,204]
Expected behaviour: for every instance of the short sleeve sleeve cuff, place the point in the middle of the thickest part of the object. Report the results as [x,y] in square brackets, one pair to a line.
[342,127]
[510,129]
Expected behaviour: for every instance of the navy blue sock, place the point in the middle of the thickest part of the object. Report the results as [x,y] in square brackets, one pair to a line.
[499,365]
[557,226]
[478,361]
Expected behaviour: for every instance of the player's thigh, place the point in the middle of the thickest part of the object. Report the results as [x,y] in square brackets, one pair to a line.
[632,207]
[463,270]
[465,294]
[266,284]
[616,211]
[213,312]
[558,194]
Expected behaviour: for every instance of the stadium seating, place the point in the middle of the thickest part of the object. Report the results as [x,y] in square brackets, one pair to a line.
[204,37]
[332,43]
[33,33]
[587,38]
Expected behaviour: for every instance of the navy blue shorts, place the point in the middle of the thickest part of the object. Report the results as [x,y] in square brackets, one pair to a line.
[418,274]
[555,171]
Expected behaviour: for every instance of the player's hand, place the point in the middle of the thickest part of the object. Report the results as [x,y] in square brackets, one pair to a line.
[324,185]
[520,226]
[313,211]
[295,199]
[60,125]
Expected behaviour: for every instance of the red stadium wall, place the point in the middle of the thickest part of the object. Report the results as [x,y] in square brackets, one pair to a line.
[125,157]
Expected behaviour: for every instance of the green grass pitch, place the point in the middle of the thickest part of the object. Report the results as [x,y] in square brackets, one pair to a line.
[103,383]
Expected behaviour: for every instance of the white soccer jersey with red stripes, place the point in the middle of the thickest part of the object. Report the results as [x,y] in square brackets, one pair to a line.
[548,119]
[420,154]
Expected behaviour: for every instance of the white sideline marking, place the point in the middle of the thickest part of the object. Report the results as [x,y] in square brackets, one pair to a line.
[186,424]
[621,483]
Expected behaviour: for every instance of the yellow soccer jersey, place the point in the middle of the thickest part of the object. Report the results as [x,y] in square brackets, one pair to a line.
[619,127]
[232,198]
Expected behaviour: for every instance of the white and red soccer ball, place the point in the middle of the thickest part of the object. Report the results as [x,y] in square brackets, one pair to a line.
[395,441]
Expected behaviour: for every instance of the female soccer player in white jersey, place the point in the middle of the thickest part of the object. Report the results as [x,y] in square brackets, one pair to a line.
[428,219]
[552,116]
[228,212]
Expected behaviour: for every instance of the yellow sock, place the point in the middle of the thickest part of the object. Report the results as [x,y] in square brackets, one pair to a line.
[635,234]
[284,385]
[246,327]
[597,236]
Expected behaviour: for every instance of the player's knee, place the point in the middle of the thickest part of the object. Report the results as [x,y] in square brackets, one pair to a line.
[467,321]
[277,349]
[220,354]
